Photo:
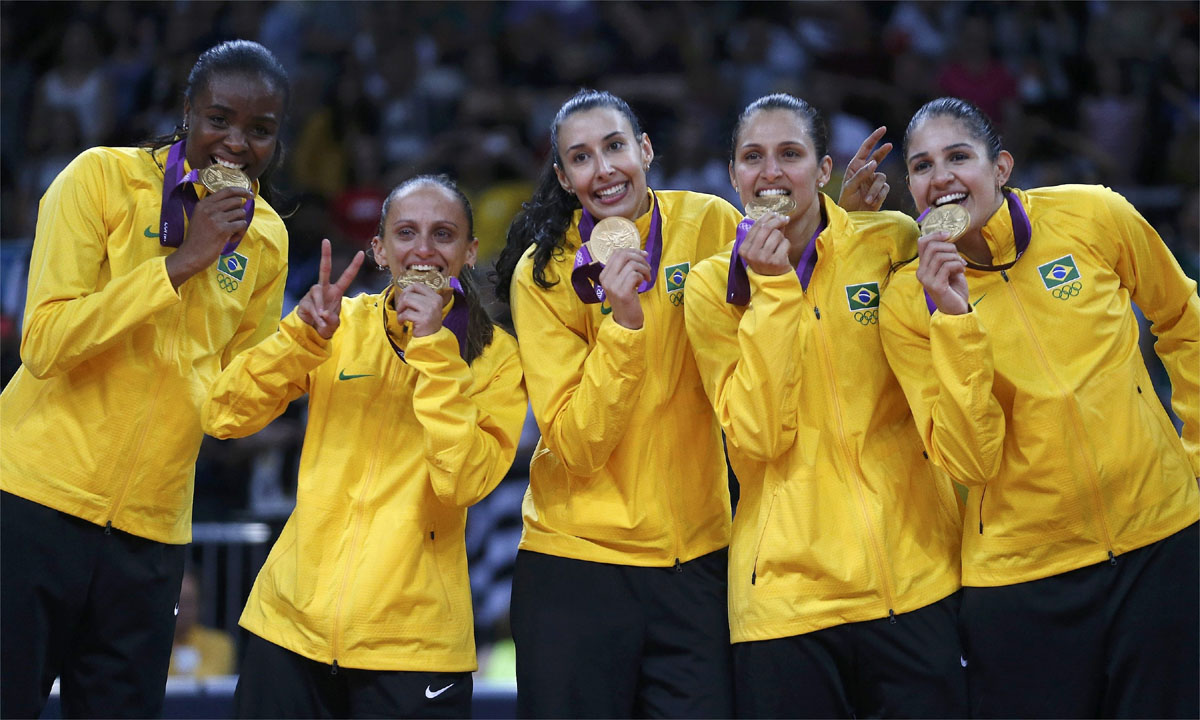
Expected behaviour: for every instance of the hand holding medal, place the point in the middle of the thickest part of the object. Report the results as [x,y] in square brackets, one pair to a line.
[941,268]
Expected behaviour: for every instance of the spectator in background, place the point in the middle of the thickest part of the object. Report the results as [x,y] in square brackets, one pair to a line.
[198,651]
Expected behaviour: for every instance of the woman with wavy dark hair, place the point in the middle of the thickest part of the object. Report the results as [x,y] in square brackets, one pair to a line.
[152,269]
[618,604]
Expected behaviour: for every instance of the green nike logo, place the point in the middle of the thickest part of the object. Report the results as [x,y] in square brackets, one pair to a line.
[343,376]
[149,234]
[978,299]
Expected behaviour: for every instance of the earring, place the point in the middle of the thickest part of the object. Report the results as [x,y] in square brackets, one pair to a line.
[821,183]
[381,266]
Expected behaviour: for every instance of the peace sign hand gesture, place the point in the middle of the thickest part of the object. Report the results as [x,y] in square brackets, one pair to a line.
[321,306]
[863,188]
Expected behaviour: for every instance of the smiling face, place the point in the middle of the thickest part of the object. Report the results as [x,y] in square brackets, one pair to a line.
[234,121]
[426,229]
[603,163]
[774,154]
[946,164]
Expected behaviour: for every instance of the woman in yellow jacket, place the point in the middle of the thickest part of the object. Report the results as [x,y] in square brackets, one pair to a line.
[844,559]
[144,283]
[618,605]
[415,403]
[1018,351]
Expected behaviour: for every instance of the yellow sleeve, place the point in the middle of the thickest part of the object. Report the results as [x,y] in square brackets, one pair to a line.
[749,366]
[1168,299]
[582,397]
[261,318]
[472,414]
[944,364]
[259,383]
[69,318]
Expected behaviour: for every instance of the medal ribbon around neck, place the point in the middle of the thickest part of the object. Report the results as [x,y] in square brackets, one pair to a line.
[455,320]
[179,197]
[585,276]
[737,289]
[1022,234]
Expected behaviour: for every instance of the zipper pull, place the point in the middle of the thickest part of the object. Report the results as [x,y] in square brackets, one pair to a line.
[1112,559]
[678,567]
[334,670]
[753,576]
[1004,274]
[891,616]
[108,528]
[817,311]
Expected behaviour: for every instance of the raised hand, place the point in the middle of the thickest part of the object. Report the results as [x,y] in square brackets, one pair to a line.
[422,306]
[863,187]
[765,248]
[942,271]
[217,219]
[321,306]
[625,270]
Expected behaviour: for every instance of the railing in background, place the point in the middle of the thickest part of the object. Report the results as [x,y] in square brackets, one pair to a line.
[226,558]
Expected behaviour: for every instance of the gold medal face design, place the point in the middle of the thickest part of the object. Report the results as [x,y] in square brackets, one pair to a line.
[950,218]
[759,206]
[612,234]
[218,177]
[431,279]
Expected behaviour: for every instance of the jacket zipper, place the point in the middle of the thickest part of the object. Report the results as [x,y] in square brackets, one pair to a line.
[358,520]
[1076,424]
[877,551]
[762,534]
[172,343]
[982,495]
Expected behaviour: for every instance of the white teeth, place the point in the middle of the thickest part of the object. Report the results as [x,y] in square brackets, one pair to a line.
[219,161]
[422,268]
[612,190]
[950,198]
[773,191]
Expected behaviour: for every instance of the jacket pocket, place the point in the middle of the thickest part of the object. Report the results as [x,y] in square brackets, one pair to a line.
[762,533]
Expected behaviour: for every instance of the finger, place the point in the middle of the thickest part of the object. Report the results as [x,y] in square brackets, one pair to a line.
[865,149]
[326,263]
[317,294]
[348,275]
[876,191]
[881,152]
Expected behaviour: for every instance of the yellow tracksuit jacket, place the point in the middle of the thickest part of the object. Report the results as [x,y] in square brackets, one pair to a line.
[371,568]
[629,469]
[102,419]
[1038,399]
[841,518]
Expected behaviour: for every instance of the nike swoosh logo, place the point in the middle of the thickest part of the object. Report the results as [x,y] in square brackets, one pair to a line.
[343,376]
[149,234]
[978,299]
[431,693]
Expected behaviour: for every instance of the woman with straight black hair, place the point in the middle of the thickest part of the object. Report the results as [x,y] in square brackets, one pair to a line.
[152,269]
[1017,347]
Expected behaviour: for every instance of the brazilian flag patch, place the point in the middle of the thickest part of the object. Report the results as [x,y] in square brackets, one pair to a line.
[233,265]
[1058,272]
[862,296]
[676,275]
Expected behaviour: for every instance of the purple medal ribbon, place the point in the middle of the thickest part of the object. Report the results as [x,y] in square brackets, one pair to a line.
[738,285]
[1022,234]
[455,320]
[179,197]
[585,276]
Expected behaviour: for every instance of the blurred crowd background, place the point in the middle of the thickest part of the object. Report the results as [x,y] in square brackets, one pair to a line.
[1090,92]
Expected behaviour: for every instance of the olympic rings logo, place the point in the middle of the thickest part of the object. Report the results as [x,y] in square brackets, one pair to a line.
[1066,292]
[867,317]
[676,298]
[227,284]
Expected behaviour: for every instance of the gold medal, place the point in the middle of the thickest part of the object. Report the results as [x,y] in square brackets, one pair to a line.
[612,234]
[431,279]
[218,177]
[951,218]
[759,206]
